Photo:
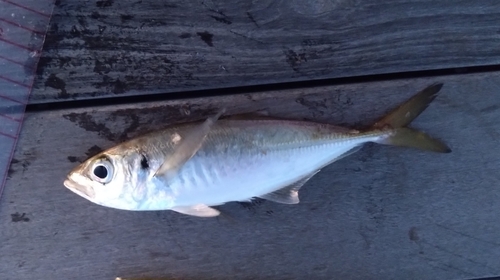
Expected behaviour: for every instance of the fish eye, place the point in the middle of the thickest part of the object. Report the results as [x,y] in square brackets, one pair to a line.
[102,172]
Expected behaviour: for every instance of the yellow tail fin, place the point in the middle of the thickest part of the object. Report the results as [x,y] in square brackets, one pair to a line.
[397,120]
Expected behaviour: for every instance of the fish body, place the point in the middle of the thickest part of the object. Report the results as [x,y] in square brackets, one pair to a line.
[190,167]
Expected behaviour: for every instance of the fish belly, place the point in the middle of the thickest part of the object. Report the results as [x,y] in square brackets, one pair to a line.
[240,174]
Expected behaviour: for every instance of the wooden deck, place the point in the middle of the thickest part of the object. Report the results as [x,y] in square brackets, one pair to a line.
[112,70]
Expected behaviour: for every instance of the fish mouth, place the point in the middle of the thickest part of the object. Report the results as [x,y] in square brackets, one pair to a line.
[72,184]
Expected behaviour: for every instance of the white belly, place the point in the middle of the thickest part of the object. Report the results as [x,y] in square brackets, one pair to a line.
[214,179]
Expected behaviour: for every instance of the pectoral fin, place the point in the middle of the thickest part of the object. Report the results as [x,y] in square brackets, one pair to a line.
[199,210]
[288,194]
[186,148]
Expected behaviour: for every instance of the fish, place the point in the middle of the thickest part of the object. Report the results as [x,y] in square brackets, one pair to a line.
[191,168]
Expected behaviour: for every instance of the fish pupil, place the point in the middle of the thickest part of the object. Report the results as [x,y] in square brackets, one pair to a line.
[144,162]
[101,172]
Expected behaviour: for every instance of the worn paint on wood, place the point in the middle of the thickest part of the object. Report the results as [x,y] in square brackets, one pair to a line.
[382,213]
[130,47]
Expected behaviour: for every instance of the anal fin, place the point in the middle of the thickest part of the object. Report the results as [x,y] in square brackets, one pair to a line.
[199,210]
[288,194]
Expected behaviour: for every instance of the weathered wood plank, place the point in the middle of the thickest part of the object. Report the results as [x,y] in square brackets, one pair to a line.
[383,213]
[131,47]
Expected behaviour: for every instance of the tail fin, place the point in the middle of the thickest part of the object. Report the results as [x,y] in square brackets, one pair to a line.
[398,119]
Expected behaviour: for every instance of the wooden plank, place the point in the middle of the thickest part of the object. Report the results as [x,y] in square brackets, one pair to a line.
[107,48]
[382,213]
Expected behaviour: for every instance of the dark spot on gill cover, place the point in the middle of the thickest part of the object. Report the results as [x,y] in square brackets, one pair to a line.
[144,162]
[54,82]
[16,217]
[206,37]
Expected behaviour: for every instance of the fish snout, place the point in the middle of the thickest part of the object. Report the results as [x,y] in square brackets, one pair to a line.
[76,184]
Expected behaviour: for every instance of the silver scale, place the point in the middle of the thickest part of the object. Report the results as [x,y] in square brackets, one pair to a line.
[23,26]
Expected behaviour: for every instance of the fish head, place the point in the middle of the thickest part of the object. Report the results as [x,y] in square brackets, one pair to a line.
[107,179]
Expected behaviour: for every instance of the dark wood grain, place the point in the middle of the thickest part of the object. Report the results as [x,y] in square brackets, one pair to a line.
[135,47]
[382,213]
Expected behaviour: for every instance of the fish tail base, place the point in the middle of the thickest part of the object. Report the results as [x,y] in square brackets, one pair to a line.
[396,121]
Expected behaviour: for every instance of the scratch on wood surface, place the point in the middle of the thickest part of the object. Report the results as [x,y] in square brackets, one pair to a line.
[492,270]
[445,266]
[217,14]
[249,15]
[247,37]
[467,235]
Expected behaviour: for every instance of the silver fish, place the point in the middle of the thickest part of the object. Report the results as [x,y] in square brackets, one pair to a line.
[190,167]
